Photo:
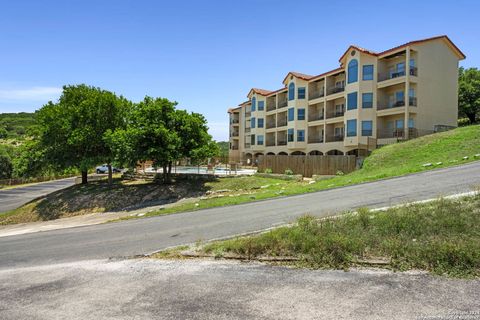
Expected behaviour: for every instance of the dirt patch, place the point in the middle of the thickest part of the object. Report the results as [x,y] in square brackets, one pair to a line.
[101,197]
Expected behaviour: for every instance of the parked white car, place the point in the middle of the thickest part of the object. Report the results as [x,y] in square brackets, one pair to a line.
[104,169]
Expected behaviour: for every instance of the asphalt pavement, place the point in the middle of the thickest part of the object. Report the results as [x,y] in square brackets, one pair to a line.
[13,198]
[152,289]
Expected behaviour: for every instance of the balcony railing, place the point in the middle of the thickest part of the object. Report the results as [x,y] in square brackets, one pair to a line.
[336,89]
[397,74]
[335,114]
[270,143]
[334,138]
[282,143]
[282,104]
[234,148]
[235,121]
[271,124]
[398,133]
[234,134]
[247,130]
[271,106]
[248,114]
[315,140]
[396,104]
[281,123]
[316,94]
[315,116]
[247,145]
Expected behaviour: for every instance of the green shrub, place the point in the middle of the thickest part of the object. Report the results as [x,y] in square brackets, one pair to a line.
[6,167]
[288,172]
[268,170]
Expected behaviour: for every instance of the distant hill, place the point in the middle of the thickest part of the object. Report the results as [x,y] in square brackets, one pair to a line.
[17,124]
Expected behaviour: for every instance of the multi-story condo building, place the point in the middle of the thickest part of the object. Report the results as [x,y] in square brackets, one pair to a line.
[397,94]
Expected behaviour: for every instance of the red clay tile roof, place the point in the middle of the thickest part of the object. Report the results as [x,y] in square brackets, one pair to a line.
[233,109]
[261,92]
[326,73]
[446,38]
[298,75]
[276,91]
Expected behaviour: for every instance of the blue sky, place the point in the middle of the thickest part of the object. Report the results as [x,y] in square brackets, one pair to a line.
[204,54]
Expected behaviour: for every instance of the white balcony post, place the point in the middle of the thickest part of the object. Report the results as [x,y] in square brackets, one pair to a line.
[406,95]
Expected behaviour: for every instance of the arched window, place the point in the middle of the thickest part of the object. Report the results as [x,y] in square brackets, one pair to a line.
[291,91]
[353,71]
[254,104]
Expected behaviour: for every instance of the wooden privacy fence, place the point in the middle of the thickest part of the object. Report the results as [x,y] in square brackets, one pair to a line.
[308,165]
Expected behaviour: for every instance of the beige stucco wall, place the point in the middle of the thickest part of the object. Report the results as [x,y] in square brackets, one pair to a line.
[435,86]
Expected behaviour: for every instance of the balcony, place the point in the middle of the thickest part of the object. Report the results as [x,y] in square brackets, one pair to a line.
[247,130]
[271,124]
[248,114]
[397,74]
[282,123]
[282,143]
[316,94]
[234,121]
[247,145]
[335,138]
[270,144]
[315,140]
[234,134]
[234,148]
[271,105]
[315,116]
[335,89]
[282,104]
[390,105]
[398,133]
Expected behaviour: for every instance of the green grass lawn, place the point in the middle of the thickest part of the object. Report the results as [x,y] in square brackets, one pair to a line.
[441,150]
[441,236]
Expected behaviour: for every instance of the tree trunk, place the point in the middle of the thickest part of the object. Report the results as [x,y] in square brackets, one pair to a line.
[471,116]
[110,178]
[165,173]
[84,177]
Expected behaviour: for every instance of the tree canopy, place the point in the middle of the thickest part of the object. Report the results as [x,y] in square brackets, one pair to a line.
[469,93]
[157,131]
[72,131]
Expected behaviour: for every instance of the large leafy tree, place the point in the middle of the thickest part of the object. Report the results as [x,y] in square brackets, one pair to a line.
[72,132]
[158,132]
[469,93]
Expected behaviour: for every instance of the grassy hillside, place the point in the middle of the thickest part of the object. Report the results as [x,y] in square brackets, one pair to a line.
[16,124]
[440,150]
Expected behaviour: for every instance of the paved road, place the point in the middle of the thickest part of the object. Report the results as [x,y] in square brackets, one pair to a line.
[148,289]
[13,198]
[146,235]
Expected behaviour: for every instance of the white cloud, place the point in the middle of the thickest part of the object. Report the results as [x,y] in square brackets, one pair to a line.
[30,94]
